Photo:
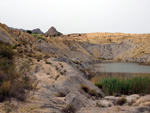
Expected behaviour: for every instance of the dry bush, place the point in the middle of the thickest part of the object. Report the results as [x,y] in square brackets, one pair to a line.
[91,92]
[12,83]
[57,77]
[121,101]
[60,94]
[69,109]
[85,88]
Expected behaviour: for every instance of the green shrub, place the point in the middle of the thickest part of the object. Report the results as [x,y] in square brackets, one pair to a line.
[6,51]
[125,85]
[38,36]
[29,31]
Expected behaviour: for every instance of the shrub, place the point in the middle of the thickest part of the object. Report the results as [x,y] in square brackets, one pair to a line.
[6,51]
[91,92]
[58,34]
[69,109]
[56,67]
[38,36]
[12,83]
[60,94]
[61,65]
[85,88]
[63,72]
[57,77]
[121,101]
[29,31]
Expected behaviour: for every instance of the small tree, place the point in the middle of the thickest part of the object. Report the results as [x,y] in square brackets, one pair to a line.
[29,31]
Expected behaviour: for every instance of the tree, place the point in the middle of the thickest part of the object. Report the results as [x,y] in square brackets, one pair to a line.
[29,31]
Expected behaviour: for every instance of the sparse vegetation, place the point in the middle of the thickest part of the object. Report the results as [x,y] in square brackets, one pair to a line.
[61,65]
[91,92]
[63,72]
[121,101]
[60,94]
[12,83]
[56,67]
[38,36]
[99,105]
[57,77]
[125,85]
[69,109]
[85,88]
[48,62]
[37,56]
[102,58]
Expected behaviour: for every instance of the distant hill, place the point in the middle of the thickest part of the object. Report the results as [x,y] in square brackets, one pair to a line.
[38,31]
[17,29]
[53,32]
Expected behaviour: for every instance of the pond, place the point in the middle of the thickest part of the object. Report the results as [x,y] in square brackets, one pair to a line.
[121,68]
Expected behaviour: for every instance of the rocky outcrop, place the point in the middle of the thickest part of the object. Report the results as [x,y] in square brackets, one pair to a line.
[53,32]
[38,31]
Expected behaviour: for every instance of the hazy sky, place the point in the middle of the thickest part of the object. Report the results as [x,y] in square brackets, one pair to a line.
[78,16]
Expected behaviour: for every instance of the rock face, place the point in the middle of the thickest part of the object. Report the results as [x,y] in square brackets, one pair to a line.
[38,31]
[53,32]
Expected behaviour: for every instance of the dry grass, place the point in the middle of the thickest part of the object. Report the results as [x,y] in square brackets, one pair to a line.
[121,101]
[69,109]
[12,83]
[91,92]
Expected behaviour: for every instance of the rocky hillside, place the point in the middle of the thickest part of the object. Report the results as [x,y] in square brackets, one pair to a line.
[17,29]
[38,31]
[53,32]
[61,64]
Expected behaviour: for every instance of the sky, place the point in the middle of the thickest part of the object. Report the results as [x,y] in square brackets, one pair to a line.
[78,16]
